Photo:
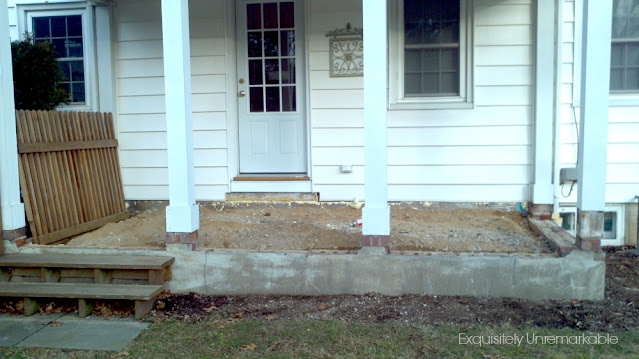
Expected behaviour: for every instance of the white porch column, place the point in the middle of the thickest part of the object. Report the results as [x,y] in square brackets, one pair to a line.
[12,210]
[376,212]
[542,186]
[593,127]
[182,214]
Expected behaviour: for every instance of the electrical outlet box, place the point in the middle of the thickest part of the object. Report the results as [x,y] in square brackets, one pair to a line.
[346,168]
[568,175]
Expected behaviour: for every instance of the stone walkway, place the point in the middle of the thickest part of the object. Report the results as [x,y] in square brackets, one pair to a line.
[67,331]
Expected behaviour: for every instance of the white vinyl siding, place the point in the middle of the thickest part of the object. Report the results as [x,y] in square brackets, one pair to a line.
[480,154]
[622,171]
[140,99]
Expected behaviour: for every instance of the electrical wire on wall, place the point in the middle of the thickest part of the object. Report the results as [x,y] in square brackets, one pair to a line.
[572,185]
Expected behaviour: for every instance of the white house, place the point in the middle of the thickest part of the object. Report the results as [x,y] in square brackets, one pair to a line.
[461,101]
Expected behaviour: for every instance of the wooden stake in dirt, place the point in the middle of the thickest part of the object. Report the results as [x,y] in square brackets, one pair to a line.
[69,172]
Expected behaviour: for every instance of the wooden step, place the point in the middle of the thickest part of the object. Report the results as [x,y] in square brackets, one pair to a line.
[116,261]
[101,269]
[143,295]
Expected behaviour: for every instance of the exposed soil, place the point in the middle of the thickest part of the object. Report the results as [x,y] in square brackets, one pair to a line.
[618,312]
[303,227]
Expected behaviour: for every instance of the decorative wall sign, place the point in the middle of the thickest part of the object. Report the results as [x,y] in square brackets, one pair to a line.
[346,52]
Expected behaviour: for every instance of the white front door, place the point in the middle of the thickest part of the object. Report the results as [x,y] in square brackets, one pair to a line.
[272,121]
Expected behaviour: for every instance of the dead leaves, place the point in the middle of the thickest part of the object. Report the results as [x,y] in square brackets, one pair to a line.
[323,306]
[210,309]
[55,323]
[248,347]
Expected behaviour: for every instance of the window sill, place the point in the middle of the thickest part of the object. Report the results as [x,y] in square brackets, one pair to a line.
[430,105]
[625,100]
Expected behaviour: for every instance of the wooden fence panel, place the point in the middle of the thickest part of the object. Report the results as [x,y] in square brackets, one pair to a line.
[69,172]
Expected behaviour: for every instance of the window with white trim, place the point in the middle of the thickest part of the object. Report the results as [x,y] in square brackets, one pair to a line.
[624,60]
[67,27]
[65,33]
[430,62]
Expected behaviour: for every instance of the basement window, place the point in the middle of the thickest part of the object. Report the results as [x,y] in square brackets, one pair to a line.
[613,231]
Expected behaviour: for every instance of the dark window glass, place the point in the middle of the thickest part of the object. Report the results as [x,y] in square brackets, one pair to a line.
[270,16]
[272,71]
[256,96]
[287,15]
[273,99]
[253,16]
[255,44]
[255,72]
[288,99]
[271,46]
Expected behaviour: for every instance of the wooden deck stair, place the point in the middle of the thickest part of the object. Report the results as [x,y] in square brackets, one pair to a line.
[86,277]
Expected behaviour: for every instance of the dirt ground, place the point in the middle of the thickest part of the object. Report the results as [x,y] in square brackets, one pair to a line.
[619,311]
[304,227]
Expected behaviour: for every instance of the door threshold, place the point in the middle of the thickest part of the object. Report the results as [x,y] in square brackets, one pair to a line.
[271,178]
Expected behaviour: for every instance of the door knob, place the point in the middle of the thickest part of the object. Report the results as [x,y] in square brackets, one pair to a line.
[242,93]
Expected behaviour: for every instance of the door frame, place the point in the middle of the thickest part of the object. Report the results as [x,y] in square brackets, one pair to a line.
[232,107]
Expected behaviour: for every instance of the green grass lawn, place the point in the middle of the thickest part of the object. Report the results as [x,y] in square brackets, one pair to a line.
[337,339]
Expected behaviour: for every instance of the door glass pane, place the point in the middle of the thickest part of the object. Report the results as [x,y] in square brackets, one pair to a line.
[253,16]
[272,71]
[255,72]
[255,44]
[271,47]
[288,43]
[256,97]
[270,16]
[287,19]
[288,99]
[273,99]
[288,71]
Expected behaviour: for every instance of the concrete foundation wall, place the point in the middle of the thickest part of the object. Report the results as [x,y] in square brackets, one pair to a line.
[580,275]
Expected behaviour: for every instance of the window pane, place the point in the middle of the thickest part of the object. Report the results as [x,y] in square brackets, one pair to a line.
[77,70]
[255,72]
[633,54]
[449,60]
[65,67]
[616,79]
[413,61]
[610,225]
[41,27]
[271,47]
[632,79]
[449,82]
[288,99]
[255,44]
[287,15]
[288,43]
[430,84]
[75,47]
[288,71]
[273,99]
[66,87]
[256,97]
[430,60]
[617,55]
[77,94]
[58,26]
[412,84]
[270,16]
[253,16]
[74,25]
[60,47]
[272,71]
